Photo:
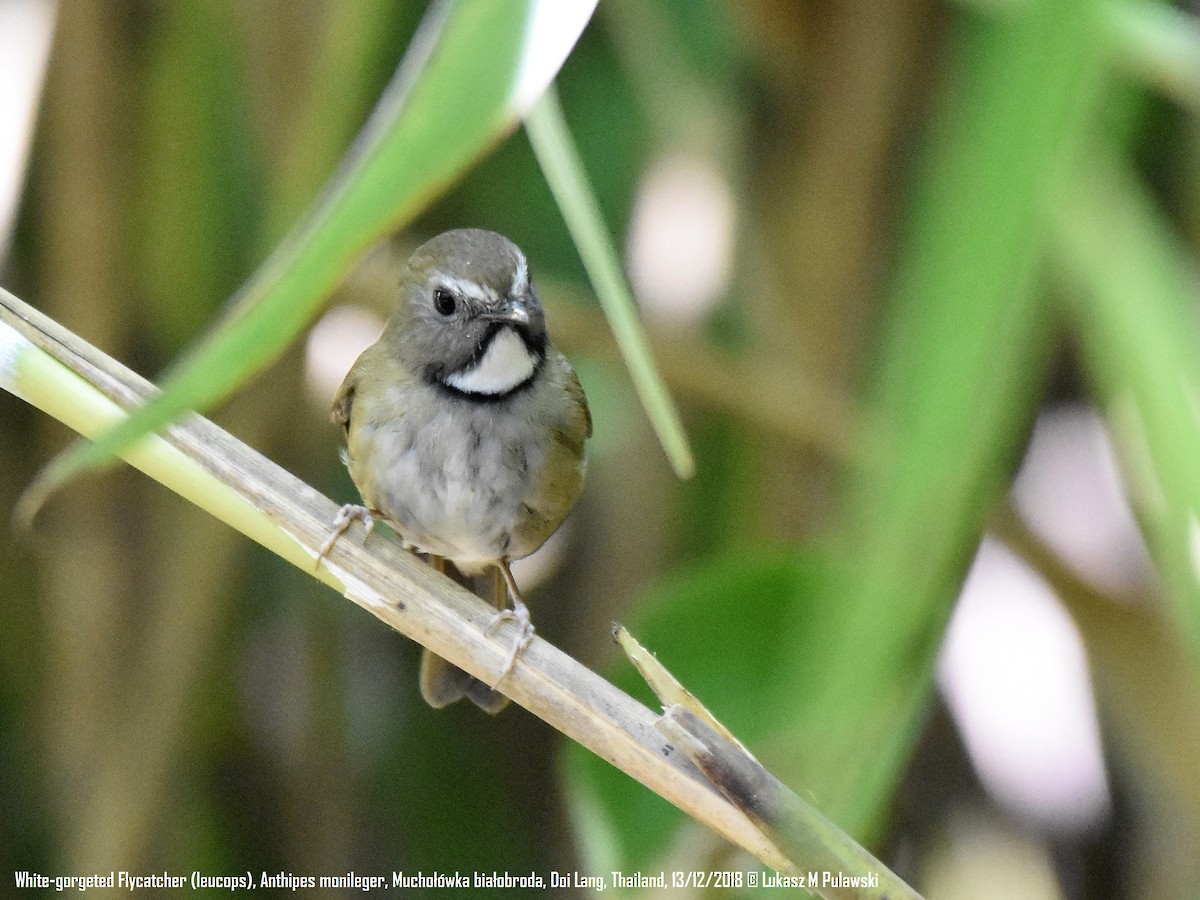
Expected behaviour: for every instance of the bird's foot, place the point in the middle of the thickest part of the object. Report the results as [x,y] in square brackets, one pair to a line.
[345,517]
[518,614]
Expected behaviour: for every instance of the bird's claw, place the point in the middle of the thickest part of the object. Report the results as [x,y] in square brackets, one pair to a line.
[345,517]
[520,615]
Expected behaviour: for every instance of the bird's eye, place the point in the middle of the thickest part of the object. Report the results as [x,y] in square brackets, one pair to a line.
[443,301]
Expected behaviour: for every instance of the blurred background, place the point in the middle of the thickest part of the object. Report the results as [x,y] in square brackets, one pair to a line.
[919,274]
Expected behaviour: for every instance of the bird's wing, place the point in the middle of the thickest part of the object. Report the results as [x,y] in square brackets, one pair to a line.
[343,403]
[575,391]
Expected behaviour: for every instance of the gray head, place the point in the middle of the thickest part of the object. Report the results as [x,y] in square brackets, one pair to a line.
[467,317]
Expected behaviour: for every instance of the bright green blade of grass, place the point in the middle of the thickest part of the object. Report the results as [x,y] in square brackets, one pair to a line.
[1134,305]
[957,381]
[825,665]
[564,172]
[474,67]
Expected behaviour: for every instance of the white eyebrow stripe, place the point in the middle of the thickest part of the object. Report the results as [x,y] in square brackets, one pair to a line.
[473,290]
[520,281]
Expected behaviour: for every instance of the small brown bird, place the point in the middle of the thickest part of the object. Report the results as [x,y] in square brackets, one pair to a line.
[465,430]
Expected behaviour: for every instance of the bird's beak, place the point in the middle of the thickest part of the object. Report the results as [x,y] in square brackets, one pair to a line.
[514,312]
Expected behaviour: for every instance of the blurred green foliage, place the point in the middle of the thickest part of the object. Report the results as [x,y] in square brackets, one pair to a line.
[941,209]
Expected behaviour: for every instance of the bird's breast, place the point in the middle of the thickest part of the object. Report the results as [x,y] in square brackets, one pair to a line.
[456,478]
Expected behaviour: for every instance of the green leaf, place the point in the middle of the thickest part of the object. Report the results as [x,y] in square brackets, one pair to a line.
[473,69]
[563,169]
[959,377]
[1134,305]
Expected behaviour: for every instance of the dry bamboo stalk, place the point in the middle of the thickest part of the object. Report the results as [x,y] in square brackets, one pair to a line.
[213,469]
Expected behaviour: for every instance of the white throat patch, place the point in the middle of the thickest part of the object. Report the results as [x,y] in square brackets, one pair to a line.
[506,364]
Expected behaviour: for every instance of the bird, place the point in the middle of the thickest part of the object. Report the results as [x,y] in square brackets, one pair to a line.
[465,431]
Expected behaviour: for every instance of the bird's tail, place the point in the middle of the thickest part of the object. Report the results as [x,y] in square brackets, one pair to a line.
[443,683]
